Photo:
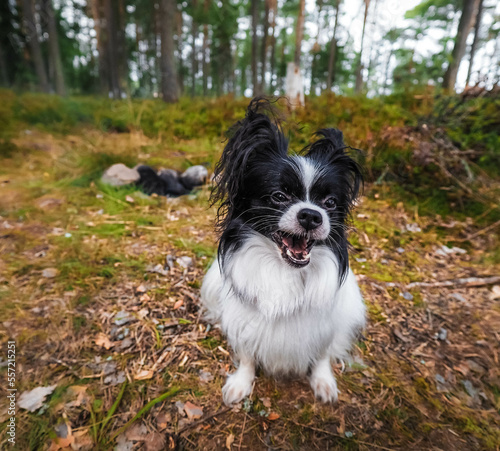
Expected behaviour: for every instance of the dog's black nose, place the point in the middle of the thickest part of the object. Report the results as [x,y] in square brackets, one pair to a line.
[309,219]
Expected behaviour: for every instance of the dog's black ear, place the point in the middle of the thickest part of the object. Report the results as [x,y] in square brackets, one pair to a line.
[256,138]
[330,149]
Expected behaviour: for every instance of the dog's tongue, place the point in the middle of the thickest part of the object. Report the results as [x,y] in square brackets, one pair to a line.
[297,245]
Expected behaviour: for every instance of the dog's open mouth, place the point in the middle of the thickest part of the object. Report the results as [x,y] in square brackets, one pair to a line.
[295,249]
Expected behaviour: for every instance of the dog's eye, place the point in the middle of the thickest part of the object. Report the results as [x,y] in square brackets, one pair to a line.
[279,197]
[330,203]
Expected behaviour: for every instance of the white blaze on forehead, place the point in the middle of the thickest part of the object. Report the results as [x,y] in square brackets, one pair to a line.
[308,172]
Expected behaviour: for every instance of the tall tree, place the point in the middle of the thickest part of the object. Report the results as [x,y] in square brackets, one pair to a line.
[359,68]
[31,31]
[194,33]
[464,26]
[255,20]
[473,48]
[333,49]
[264,45]
[54,52]
[204,63]
[299,33]
[273,10]
[316,49]
[169,87]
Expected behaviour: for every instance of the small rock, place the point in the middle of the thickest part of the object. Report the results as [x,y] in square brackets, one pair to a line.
[159,269]
[445,251]
[194,176]
[141,289]
[442,334]
[50,273]
[184,261]
[407,295]
[413,228]
[206,376]
[122,317]
[192,411]
[441,383]
[180,408]
[400,250]
[115,379]
[120,175]
[361,260]
[169,261]
[469,388]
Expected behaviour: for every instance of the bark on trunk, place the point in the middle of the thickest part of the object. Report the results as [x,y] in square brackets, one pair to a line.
[54,52]
[272,11]
[299,33]
[99,27]
[30,26]
[264,44]
[316,49]
[169,86]
[255,19]
[194,60]
[4,78]
[473,48]
[464,26]
[359,69]
[112,50]
[333,50]
[206,5]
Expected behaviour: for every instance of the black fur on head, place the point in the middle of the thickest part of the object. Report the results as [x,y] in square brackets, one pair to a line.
[262,189]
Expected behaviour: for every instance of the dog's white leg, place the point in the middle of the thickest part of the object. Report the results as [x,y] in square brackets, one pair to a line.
[239,384]
[323,381]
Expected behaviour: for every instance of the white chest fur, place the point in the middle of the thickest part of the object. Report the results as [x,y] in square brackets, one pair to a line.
[285,318]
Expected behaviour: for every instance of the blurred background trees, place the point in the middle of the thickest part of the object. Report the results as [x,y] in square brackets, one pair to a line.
[172,48]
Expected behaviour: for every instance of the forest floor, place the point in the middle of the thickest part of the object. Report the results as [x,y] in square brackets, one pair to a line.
[104,312]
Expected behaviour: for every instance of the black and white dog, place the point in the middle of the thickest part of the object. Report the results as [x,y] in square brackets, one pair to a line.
[281,288]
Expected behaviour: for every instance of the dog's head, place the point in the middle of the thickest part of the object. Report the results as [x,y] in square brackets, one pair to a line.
[296,201]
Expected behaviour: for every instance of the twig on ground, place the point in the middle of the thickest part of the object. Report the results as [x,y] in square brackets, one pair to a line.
[465,282]
[333,434]
[202,420]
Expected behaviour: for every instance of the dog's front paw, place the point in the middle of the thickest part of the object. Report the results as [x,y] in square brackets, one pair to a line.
[237,387]
[324,385]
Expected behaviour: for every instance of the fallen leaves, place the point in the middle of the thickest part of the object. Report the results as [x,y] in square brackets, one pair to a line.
[33,400]
[103,341]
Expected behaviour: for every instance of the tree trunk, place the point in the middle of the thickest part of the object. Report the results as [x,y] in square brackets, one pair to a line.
[169,86]
[194,61]
[299,33]
[316,49]
[464,26]
[473,48]
[30,26]
[99,27]
[255,19]
[206,5]
[273,9]
[333,50]
[386,79]
[54,52]
[112,50]
[180,60]
[4,78]
[359,69]
[264,45]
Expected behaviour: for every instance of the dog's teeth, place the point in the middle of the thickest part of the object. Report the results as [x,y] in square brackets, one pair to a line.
[289,253]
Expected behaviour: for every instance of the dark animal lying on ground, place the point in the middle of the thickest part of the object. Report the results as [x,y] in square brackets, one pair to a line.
[168,182]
